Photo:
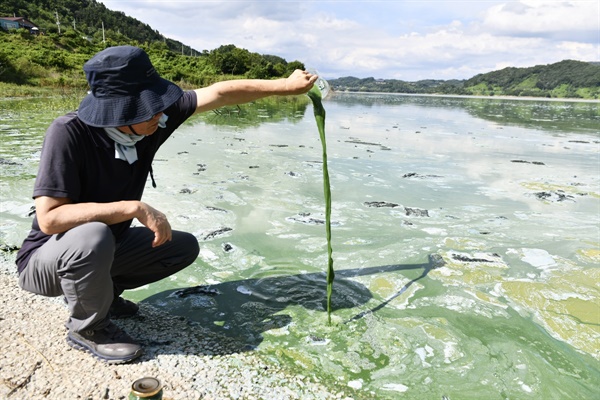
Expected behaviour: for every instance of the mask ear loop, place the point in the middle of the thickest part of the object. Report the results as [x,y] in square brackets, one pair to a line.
[133,130]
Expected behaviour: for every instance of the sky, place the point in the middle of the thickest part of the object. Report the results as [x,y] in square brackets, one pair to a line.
[402,39]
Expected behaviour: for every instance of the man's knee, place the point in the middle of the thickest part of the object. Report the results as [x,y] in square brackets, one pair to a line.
[91,246]
[81,252]
[189,245]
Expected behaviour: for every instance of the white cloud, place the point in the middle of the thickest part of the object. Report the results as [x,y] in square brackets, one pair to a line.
[404,40]
[564,19]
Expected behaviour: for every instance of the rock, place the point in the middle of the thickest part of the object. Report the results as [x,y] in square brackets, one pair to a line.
[554,197]
[305,218]
[527,162]
[218,232]
[380,204]
[416,212]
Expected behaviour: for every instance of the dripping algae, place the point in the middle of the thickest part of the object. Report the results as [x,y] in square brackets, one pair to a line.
[315,95]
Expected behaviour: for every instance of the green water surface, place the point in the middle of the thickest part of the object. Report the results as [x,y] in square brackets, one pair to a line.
[466,234]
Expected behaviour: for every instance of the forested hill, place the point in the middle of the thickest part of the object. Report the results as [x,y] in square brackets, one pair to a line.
[86,17]
[565,79]
[55,59]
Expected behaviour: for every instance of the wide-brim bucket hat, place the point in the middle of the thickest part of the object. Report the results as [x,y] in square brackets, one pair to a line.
[125,89]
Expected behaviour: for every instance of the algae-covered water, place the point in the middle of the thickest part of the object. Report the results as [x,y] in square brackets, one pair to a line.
[465,234]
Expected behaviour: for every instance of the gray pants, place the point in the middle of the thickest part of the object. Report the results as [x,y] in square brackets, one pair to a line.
[86,266]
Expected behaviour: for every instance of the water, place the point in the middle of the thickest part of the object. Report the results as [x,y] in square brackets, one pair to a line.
[466,235]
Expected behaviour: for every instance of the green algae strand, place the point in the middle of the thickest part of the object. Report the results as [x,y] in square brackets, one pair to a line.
[315,95]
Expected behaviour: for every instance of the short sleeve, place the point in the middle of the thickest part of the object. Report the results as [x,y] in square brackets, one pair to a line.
[58,172]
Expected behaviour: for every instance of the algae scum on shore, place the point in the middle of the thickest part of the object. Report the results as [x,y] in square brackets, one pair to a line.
[505,193]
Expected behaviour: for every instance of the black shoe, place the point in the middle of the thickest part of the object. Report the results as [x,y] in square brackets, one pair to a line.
[111,344]
[121,308]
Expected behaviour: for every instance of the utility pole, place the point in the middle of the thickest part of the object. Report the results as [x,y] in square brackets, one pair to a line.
[103,37]
[57,21]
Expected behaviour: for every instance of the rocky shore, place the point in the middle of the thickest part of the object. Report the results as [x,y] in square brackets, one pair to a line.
[191,363]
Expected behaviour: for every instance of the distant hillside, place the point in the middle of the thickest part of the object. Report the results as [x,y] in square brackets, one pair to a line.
[353,84]
[565,79]
[55,59]
[86,17]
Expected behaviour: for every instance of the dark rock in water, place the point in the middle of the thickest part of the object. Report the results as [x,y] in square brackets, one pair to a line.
[380,204]
[463,258]
[6,248]
[419,176]
[202,290]
[4,161]
[317,339]
[186,191]
[253,166]
[578,141]
[182,152]
[527,162]
[278,145]
[557,196]
[410,175]
[416,212]
[436,261]
[227,247]
[31,211]
[305,218]
[356,141]
[211,208]
[216,233]
[292,174]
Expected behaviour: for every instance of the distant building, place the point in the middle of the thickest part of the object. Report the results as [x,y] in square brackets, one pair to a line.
[7,23]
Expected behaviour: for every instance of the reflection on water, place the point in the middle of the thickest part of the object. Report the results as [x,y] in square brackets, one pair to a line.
[505,194]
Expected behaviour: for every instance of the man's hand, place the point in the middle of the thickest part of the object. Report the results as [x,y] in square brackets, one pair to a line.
[299,82]
[157,222]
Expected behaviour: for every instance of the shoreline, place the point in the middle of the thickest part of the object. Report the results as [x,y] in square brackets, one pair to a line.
[469,96]
[191,362]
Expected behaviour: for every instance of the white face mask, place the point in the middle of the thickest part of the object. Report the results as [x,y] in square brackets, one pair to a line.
[162,122]
[124,144]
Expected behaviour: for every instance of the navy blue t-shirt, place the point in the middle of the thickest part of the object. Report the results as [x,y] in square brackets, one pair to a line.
[78,162]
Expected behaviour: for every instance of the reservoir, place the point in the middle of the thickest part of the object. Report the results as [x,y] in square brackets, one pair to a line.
[465,235]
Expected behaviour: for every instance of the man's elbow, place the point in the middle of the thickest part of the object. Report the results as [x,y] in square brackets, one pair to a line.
[48,226]
[49,214]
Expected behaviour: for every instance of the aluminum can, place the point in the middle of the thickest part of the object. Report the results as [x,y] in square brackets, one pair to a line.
[147,388]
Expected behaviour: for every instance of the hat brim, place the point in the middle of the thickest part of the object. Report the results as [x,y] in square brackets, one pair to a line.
[110,112]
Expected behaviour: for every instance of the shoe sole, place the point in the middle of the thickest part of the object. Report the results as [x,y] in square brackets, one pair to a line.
[80,346]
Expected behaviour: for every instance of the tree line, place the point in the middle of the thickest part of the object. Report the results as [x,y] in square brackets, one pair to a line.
[564,79]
